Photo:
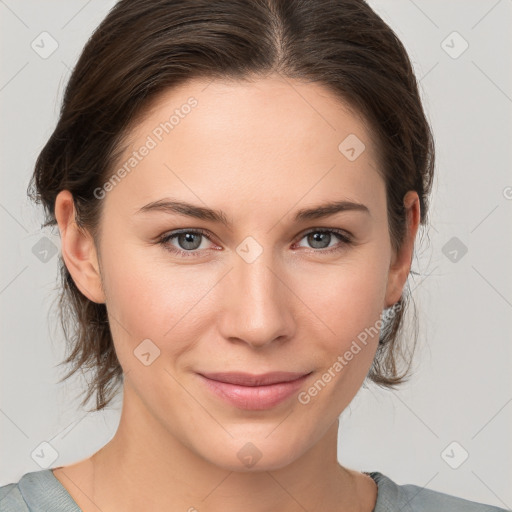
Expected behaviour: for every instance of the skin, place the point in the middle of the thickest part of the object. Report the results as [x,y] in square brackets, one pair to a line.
[259,152]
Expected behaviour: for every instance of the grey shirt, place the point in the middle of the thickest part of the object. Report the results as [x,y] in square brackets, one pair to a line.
[40,491]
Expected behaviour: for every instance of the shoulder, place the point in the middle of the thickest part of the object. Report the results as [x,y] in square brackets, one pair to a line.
[37,491]
[11,499]
[413,498]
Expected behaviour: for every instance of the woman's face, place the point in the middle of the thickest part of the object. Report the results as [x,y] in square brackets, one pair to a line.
[264,286]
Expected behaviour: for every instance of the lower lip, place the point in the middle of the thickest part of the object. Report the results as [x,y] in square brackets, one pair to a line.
[254,397]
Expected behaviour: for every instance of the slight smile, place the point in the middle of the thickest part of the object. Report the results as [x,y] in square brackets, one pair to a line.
[254,392]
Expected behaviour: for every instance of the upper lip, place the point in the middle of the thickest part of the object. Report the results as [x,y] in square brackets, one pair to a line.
[247,379]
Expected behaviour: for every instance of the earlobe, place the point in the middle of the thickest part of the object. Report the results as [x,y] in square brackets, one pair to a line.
[400,265]
[78,249]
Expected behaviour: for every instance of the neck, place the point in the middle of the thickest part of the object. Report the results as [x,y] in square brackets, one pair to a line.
[136,471]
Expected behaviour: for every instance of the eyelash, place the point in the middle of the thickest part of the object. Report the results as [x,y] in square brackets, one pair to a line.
[345,239]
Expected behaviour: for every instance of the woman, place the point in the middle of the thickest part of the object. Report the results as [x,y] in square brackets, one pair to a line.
[238,186]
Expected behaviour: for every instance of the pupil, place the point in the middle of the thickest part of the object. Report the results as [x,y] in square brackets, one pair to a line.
[318,238]
[189,241]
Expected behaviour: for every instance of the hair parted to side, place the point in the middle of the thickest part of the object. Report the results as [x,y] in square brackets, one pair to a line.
[144,47]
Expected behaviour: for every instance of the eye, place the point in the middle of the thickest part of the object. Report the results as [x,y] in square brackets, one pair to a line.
[189,242]
[321,239]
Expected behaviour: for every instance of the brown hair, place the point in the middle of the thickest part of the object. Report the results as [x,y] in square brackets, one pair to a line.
[144,47]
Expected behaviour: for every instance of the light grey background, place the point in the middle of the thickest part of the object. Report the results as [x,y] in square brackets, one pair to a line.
[461,390]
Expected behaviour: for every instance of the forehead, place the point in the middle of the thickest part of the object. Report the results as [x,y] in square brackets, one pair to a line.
[251,104]
[260,138]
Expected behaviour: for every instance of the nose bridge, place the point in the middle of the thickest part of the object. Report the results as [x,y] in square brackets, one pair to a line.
[259,306]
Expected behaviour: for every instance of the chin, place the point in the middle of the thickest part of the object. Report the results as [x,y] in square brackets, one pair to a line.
[260,454]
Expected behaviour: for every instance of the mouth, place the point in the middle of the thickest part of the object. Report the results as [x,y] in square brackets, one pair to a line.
[254,392]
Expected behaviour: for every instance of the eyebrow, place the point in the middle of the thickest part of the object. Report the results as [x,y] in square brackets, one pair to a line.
[199,212]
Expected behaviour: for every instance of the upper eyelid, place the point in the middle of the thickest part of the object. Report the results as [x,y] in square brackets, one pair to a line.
[338,231]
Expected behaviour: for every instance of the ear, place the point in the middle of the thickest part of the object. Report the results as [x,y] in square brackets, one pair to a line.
[401,260]
[78,249]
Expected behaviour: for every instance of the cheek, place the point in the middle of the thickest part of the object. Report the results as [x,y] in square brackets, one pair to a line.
[148,298]
[351,308]
[347,297]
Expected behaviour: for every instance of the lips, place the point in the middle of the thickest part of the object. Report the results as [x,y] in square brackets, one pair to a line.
[247,379]
[254,392]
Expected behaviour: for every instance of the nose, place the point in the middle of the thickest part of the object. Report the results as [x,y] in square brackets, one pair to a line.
[258,304]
